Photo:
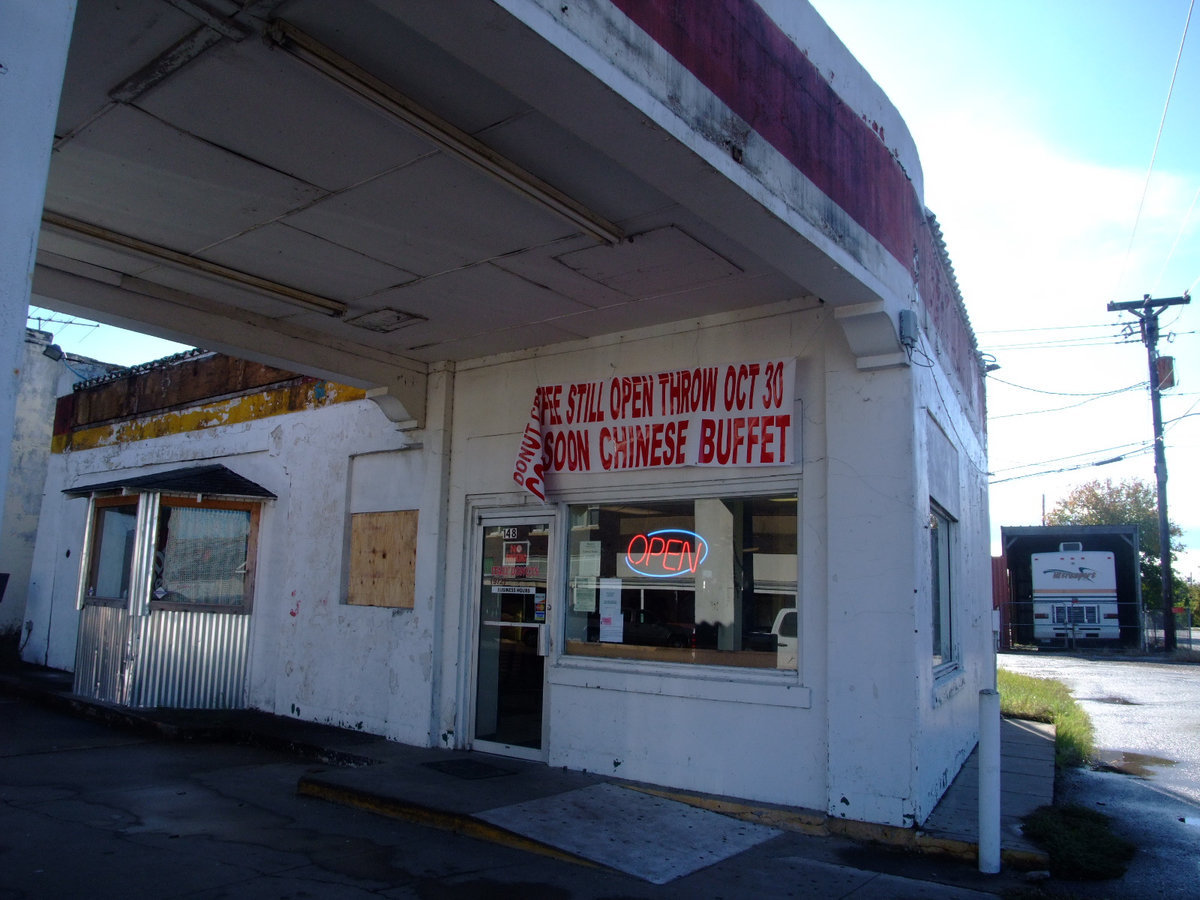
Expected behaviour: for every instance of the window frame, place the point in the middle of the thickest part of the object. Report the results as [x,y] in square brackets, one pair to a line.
[140,572]
[99,505]
[175,501]
[942,537]
[681,659]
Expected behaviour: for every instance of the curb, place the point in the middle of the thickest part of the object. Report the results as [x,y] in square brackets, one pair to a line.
[811,822]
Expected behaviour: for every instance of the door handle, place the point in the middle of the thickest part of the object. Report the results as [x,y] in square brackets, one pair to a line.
[543,642]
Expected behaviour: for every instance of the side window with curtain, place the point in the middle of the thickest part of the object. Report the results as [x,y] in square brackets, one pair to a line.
[204,555]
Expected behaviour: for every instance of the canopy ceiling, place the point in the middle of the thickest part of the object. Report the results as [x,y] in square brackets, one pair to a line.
[359,189]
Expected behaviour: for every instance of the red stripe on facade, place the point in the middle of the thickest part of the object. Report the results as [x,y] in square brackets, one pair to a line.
[742,56]
[735,50]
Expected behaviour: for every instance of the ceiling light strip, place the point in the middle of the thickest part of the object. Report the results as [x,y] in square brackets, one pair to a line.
[436,129]
[281,292]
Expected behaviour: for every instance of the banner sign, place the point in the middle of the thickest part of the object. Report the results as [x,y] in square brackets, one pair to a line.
[730,415]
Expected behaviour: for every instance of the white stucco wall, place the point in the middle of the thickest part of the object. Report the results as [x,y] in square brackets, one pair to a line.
[33,50]
[953,473]
[32,422]
[311,656]
[863,730]
[747,733]
[41,381]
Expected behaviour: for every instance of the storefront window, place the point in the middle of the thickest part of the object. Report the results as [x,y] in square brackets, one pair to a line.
[710,581]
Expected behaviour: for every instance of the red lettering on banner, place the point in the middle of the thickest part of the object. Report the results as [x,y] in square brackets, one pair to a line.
[653,446]
[567,451]
[631,397]
[739,385]
[585,403]
[773,386]
[744,440]
[728,415]
[550,399]
[688,391]
[528,473]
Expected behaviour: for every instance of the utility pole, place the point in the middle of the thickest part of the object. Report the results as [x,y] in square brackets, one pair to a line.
[1147,311]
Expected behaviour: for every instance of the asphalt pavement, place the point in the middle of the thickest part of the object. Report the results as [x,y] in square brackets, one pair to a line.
[171,805]
[1146,715]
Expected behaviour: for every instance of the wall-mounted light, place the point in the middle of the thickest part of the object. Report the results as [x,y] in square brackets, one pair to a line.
[434,128]
[52,351]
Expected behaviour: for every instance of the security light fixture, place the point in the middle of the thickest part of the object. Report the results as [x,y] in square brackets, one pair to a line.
[53,351]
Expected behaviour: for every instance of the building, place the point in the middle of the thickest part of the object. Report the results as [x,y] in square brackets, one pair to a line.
[672,421]
[1016,599]
[45,372]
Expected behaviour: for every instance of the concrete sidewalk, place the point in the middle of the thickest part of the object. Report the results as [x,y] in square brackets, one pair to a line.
[632,828]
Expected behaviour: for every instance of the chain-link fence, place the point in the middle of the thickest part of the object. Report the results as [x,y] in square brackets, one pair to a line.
[1187,634]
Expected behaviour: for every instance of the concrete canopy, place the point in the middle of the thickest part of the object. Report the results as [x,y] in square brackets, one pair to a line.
[361,189]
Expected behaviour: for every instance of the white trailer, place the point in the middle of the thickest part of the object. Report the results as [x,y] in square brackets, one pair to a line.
[1074,596]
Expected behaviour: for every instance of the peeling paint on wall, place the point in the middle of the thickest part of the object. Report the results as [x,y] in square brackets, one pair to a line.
[302,394]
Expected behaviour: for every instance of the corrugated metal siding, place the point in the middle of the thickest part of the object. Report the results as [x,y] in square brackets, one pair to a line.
[104,636]
[192,660]
[184,660]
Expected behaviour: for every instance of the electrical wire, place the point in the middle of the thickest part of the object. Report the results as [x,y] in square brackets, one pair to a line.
[1169,422]
[1044,328]
[1092,394]
[1062,345]
[1035,412]
[1087,465]
[1187,217]
[1138,447]
[1157,140]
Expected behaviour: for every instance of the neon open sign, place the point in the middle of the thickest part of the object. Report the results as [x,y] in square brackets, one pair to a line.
[666,553]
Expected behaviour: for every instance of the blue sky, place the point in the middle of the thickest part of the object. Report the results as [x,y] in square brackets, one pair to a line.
[1036,123]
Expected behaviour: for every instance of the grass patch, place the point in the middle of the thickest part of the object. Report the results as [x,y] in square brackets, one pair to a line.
[1079,842]
[1047,700]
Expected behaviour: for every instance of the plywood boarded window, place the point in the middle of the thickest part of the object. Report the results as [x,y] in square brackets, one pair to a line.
[383,558]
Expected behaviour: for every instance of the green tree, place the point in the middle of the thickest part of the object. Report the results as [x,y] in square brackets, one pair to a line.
[1130,502]
[1191,598]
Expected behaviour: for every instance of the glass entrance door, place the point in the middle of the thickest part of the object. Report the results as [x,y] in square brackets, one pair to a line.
[513,641]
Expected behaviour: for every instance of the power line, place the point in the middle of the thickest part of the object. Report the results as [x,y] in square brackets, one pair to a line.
[1104,325]
[1116,340]
[1186,415]
[1157,140]
[1092,394]
[1138,447]
[1086,465]
[1064,344]
[1187,217]
[1038,412]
